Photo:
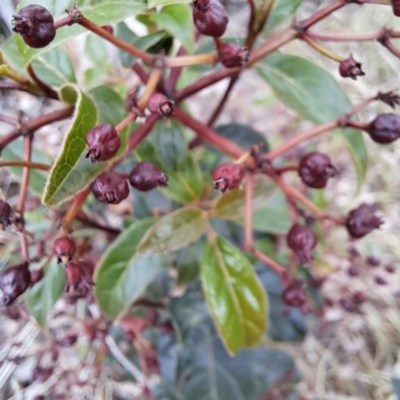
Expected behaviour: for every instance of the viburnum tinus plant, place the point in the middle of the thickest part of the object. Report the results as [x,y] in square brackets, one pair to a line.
[197,267]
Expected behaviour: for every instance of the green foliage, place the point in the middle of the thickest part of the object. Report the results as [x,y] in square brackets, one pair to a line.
[237,302]
[123,274]
[44,294]
[174,231]
[178,21]
[313,93]
[282,10]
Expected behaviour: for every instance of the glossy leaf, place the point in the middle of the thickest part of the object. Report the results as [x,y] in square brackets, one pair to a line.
[54,68]
[44,294]
[122,274]
[185,182]
[101,12]
[178,21]
[174,231]
[282,10]
[170,142]
[235,297]
[231,205]
[72,172]
[37,180]
[187,262]
[312,92]
[243,135]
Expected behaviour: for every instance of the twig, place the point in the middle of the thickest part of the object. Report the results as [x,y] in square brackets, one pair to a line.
[140,72]
[281,271]
[25,164]
[8,120]
[152,83]
[74,209]
[44,86]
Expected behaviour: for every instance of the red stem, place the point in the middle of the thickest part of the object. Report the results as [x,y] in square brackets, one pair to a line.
[321,14]
[140,72]
[44,86]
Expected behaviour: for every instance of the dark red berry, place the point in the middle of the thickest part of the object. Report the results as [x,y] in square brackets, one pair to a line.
[380,281]
[347,304]
[396,7]
[5,212]
[103,142]
[385,128]
[76,278]
[210,17]
[362,221]
[353,271]
[359,297]
[315,169]
[14,281]
[317,283]
[350,68]
[36,25]
[110,187]
[390,269]
[232,56]
[227,176]
[294,295]
[301,240]
[373,261]
[159,104]
[36,276]
[64,248]
[146,176]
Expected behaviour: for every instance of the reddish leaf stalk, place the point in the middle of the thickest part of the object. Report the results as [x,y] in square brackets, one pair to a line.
[281,271]
[25,164]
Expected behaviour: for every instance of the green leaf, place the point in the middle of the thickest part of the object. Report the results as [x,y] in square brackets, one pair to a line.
[187,262]
[96,51]
[155,3]
[37,180]
[109,104]
[178,21]
[174,231]
[235,297]
[243,135]
[170,142]
[282,10]
[122,274]
[54,68]
[312,92]
[44,294]
[142,42]
[72,172]
[231,205]
[101,12]
[185,182]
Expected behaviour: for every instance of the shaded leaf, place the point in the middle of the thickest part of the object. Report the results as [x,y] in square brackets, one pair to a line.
[174,231]
[44,294]
[178,21]
[282,10]
[185,182]
[37,180]
[101,12]
[315,95]
[243,135]
[155,3]
[231,205]
[235,297]
[122,274]
[187,262]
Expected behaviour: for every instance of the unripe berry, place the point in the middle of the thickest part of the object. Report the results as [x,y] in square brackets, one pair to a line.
[64,248]
[315,169]
[385,128]
[396,7]
[232,56]
[210,17]
[146,176]
[36,25]
[103,142]
[14,281]
[362,221]
[350,68]
[301,240]
[109,187]
[294,295]
[159,104]
[227,176]
[5,212]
